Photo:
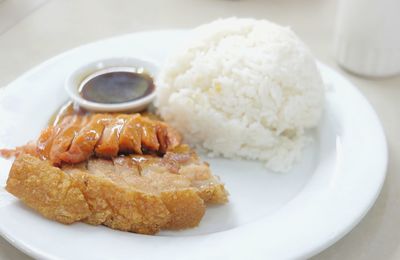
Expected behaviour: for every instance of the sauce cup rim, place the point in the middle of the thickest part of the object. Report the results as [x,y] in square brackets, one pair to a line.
[74,80]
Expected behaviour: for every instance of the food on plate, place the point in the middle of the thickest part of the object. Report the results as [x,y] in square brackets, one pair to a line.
[76,137]
[125,171]
[243,88]
[238,88]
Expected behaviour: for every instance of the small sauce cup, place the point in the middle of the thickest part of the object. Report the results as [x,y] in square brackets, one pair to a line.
[77,79]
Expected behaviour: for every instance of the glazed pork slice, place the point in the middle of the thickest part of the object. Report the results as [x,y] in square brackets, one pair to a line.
[78,137]
[130,137]
[137,193]
[108,145]
[82,146]
[63,138]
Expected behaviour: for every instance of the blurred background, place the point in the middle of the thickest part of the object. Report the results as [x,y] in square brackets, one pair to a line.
[36,30]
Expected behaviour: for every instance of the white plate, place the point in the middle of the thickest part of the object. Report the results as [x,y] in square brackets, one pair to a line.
[269,216]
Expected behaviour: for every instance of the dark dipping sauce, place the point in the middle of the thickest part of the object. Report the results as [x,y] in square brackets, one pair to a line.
[117,87]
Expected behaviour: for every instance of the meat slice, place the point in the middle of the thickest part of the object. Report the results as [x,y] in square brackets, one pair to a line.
[62,140]
[108,145]
[84,143]
[46,138]
[130,137]
[162,136]
[125,166]
[174,138]
[47,189]
[29,148]
[148,133]
[137,193]
[77,137]
[45,142]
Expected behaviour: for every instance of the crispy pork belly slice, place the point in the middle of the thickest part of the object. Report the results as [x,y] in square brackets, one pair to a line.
[120,207]
[183,161]
[174,190]
[47,189]
[137,193]
[75,195]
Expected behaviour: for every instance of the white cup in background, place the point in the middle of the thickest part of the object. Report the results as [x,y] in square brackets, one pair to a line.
[368,37]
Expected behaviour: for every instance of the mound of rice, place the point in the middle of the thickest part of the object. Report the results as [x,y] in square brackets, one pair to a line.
[243,88]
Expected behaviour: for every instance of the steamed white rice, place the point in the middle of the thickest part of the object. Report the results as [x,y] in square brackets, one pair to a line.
[243,88]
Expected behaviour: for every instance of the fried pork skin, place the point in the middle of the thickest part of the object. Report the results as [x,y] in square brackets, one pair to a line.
[138,193]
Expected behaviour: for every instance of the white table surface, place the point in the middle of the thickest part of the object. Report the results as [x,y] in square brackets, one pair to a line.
[34,31]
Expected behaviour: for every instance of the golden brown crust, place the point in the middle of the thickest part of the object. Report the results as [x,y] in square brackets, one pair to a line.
[121,208]
[186,207]
[47,189]
[215,194]
[77,195]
